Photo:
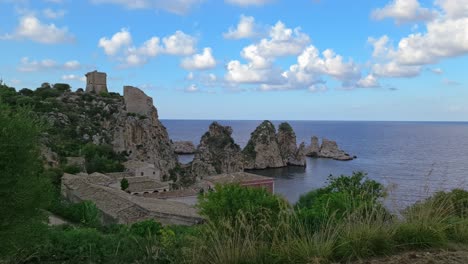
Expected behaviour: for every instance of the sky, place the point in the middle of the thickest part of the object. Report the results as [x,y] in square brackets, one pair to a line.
[401,60]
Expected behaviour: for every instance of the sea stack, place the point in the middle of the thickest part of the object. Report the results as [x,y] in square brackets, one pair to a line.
[262,151]
[217,153]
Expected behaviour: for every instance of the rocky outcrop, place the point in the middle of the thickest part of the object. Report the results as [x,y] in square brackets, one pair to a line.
[138,131]
[184,147]
[262,151]
[330,150]
[314,148]
[217,153]
[290,153]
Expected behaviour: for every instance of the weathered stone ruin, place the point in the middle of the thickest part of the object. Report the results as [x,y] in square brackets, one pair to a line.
[96,82]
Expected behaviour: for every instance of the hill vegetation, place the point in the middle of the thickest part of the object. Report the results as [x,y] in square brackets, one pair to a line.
[343,221]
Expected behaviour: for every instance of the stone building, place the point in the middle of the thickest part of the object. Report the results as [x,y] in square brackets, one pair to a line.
[96,82]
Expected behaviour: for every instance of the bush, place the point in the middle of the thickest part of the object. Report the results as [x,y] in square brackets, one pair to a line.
[84,213]
[102,158]
[228,200]
[342,196]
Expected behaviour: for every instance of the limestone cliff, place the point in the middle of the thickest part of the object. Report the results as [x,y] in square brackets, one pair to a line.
[262,151]
[138,131]
[290,153]
[217,153]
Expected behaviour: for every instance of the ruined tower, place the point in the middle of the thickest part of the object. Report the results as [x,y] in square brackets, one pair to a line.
[96,82]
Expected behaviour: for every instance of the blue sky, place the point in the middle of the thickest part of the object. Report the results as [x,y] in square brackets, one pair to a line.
[251,59]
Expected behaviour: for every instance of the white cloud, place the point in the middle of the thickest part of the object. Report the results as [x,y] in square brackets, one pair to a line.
[120,45]
[246,73]
[27,65]
[393,69]
[174,6]
[245,3]
[245,29]
[437,71]
[30,27]
[370,81]
[119,40]
[404,11]
[202,61]
[454,8]
[179,44]
[73,77]
[190,76]
[53,14]
[192,88]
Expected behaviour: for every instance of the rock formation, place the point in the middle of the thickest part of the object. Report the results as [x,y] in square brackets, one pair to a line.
[314,148]
[217,153]
[184,147]
[139,132]
[262,151]
[330,150]
[290,154]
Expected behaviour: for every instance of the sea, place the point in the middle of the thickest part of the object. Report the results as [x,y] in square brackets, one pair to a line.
[411,159]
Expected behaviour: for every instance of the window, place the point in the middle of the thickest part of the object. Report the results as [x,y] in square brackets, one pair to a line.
[154,173]
[142,173]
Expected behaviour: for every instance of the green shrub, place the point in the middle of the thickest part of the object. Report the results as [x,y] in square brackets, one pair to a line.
[227,200]
[102,158]
[124,184]
[146,228]
[84,213]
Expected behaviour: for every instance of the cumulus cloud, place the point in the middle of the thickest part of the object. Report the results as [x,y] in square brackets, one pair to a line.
[179,44]
[193,88]
[444,37]
[203,61]
[30,27]
[121,46]
[245,3]
[437,71]
[73,77]
[27,65]
[370,81]
[246,28]
[454,8]
[173,6]
[119,40]
[404,11]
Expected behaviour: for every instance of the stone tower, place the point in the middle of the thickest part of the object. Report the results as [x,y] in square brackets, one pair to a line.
[96,82]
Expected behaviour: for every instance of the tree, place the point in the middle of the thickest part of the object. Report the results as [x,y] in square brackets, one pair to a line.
[62,87]
[124,184]
[23,187]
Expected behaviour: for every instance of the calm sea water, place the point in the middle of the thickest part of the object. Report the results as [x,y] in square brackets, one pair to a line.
[412,159]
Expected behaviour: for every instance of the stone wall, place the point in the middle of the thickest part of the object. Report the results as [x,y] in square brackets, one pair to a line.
[136,101]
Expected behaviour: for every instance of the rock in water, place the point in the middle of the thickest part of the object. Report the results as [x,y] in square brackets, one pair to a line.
[217,153]
[139,132]
[298,159]
[330,150]
[262,151]
[184,147]
[314,148]
[288,146]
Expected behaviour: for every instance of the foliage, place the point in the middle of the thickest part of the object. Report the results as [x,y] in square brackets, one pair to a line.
[84,213]
[23,188]
[62,87]
[102,158]
[342,195]
[228,200]
[124,184]
[285,127]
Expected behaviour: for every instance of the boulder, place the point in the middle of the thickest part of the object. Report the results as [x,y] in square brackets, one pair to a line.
[314,148]
[217,153]
[288,147]
[263,151]
[330,150]
[184,147]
